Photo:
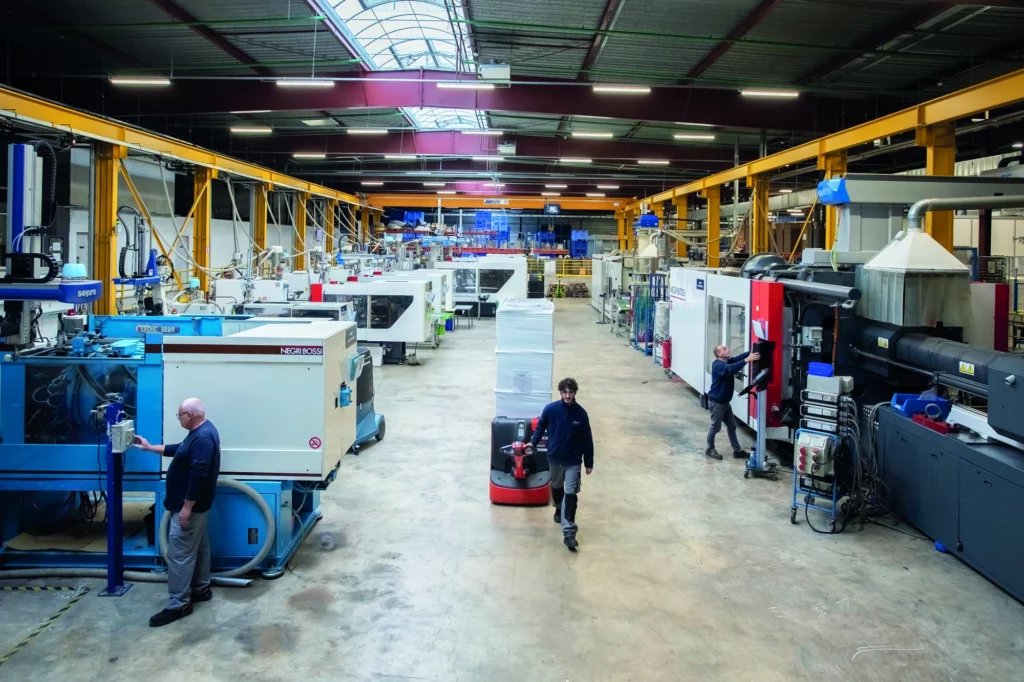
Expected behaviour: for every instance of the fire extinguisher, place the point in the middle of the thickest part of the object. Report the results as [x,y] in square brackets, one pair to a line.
[666,353]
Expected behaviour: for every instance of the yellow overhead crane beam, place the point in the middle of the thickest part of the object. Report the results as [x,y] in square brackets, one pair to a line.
[20,106]
[920,119]
[380,201]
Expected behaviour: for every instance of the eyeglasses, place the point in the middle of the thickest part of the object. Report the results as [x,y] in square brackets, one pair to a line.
[183,414]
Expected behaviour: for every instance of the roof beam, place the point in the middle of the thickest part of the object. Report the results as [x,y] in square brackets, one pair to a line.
[741,29]
[212,36]
[876,40]
[607,21]
[521,202]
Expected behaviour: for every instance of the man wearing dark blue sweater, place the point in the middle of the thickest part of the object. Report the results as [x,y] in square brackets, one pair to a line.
[723,371]
[191,484]
[570,445]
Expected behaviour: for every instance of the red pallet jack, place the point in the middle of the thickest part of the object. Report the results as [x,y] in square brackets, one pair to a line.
[519,473]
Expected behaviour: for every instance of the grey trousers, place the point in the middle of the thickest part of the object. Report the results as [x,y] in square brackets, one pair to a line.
[568,480]
[722,414]
[188,559]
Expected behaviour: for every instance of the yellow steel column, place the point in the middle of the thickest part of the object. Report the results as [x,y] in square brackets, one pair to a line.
[631,214]
[107,159]
[259,215]
[203,191]
[682,207]
[834,166]
[620,219]
[941,143]
[364,225]
[299,247]
[714,197]
[759,242]
[331,206]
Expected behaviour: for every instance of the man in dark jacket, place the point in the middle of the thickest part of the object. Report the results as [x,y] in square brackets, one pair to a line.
[570,444]
[191,483]
[723,371]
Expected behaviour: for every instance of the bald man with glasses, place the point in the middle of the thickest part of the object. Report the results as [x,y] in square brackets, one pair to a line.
[191,484]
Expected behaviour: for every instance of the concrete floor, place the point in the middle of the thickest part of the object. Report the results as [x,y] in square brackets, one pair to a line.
[686,571]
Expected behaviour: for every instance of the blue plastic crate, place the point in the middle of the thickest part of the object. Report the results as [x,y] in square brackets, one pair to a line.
[909,404]
[820,369]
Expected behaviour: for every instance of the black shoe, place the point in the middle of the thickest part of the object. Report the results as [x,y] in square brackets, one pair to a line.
[558,517]
[170,615]
[741,454]
[571,544]
[713,454]
[202,595]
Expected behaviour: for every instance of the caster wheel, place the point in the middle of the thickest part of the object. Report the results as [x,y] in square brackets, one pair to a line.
[380,430]
[831,525]
[272,575]
[775,476]
[746,473]
[792,516]
[355,449]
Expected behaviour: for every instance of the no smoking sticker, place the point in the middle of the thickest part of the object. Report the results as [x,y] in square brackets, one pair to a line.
[314,442]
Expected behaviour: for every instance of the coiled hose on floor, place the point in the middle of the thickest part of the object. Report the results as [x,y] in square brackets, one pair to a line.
[223,578]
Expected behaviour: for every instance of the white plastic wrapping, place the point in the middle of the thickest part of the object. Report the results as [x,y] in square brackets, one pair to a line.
[520,405]
[526,325]
[525,371]
[661,313]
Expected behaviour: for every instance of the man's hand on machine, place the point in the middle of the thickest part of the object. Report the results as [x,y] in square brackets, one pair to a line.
[753,357]
[141,443]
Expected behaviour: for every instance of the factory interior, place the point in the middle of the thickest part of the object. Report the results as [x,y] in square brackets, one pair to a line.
[504,340]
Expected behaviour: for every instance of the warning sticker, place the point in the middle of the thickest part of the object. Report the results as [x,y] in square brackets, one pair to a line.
[966,368]
[314,442]
[883,342]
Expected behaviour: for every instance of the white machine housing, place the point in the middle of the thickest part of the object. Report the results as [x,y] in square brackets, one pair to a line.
[402,301]
[494,278]
[275,394]
[609,274]
[443,293]
[338,312]
[231,292]
[299,284]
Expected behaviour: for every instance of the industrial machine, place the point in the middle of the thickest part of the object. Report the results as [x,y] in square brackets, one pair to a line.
[393,314]
[442,296]
[369,424]
[483,282]
[519,474]
[238,291]
[610,278]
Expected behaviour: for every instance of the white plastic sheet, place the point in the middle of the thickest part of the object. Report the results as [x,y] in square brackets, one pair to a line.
[525,371]
[520,405]
[526,325]
[661,313]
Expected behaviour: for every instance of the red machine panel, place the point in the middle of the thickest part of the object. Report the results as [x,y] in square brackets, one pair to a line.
[767,323]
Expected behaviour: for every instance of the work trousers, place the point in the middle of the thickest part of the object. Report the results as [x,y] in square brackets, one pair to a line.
[722,413]
[565,488]
[188,560]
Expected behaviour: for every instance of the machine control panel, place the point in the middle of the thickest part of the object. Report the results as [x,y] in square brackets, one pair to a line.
[814,453]
[121,436]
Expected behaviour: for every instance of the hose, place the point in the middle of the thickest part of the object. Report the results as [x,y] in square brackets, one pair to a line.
[268,542]
[101,573]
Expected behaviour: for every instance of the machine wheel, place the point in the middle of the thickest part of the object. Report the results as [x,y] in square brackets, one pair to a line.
[380,430]
[355,449]
[792,516]
[746,473]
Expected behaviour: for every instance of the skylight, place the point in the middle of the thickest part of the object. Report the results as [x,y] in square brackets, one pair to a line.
[407,34]
[439,118]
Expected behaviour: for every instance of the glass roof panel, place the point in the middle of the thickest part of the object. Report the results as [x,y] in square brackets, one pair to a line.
[404,34]
[438,118]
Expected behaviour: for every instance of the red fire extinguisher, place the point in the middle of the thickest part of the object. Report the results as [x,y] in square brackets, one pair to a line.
[666,353]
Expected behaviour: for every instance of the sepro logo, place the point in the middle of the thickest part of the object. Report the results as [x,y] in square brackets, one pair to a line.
[700,284]
[302,350]
[86,293]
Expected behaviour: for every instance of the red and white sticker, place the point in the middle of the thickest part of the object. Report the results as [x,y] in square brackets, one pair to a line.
[314,442]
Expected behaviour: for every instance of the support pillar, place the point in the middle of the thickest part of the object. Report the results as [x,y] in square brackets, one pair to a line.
[630,235]
[714,197]
[682,205]
[259,215]
[364,226]
[759,241]
[834,166]
[620,219]
[940,141]
[203,193]
[331,207]
[106,163]
[984,233]
[299,246]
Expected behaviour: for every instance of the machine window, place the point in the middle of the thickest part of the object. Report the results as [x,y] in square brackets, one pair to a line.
[60,401]
[714,328]
[385,310]
[491,281]
[358,306]
[736,337]
[465,281]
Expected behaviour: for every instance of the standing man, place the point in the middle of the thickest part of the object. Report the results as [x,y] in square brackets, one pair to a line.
[191,484]
[723,370]
[570,444]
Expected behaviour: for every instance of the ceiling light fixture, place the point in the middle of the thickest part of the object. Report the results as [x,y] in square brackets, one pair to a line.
[573,159]
[309,155]
[692,136]
[607,186]
[785,191]
[594,194]
[556,186]
[770,93]
[1019,145]
[494,184]
[251,130]
[139,81]
[696,125]
[601,135]
[495,133]
[304,83]
[319,122]
[623,89]
[251,111]
[487,158]
[464,85]
[367,131]
[371,183]
[550,194]
[400,157]
[652,162]
[446,191]
[434,184]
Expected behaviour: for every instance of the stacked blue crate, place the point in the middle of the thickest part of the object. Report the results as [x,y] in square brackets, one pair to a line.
[499,224]
[578,244]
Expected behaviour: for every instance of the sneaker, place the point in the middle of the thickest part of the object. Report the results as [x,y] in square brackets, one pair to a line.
[168,616]
[558,516]
[202,595]
[741,454]
[571,544]
[713,454]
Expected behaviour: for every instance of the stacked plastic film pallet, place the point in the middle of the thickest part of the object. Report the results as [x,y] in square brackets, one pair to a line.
[525,354]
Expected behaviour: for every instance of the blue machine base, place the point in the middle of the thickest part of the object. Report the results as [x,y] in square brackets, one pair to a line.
[368,428]
[119,591]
